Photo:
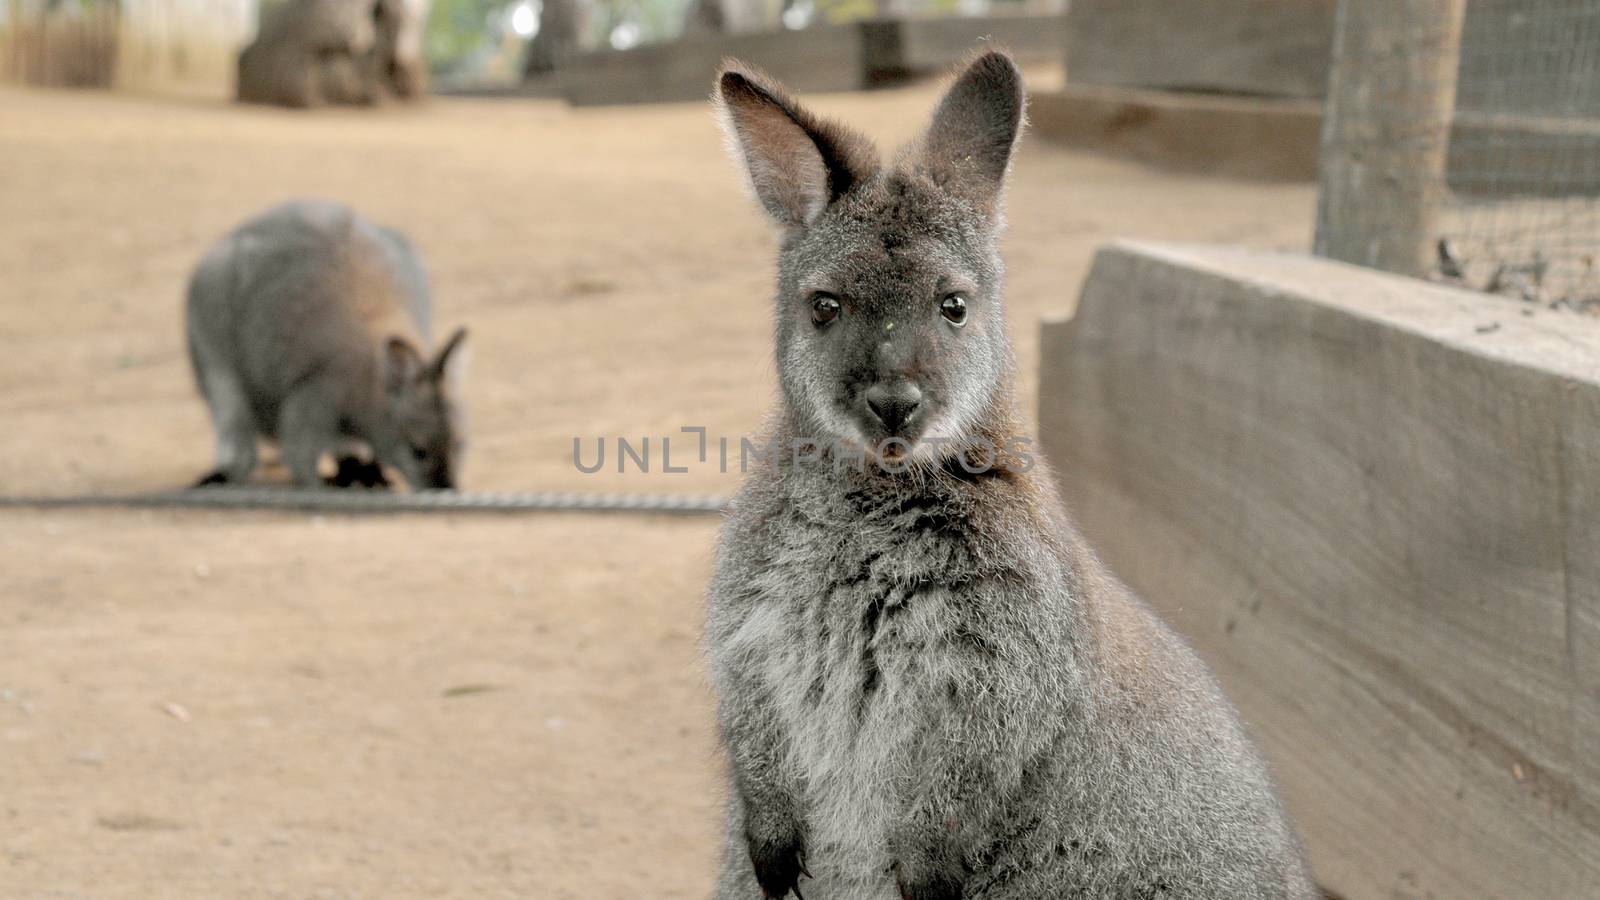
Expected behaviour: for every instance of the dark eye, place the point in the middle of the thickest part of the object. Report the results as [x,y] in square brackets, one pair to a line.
[824,308]
[954,309]
[419,453]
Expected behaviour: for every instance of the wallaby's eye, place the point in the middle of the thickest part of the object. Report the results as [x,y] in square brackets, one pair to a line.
[419,453]
[824,308]
[954,309]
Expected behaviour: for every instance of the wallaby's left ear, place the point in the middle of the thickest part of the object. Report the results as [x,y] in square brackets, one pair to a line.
[797,163]
[436,368]
[401,364]
[968,147]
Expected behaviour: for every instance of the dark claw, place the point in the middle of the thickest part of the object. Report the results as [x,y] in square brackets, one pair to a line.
[211,478]
[778,868]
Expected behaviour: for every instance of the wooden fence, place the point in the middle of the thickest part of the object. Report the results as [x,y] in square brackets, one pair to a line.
[166,46]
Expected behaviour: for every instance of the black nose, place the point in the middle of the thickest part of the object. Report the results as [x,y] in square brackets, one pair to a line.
[894,403]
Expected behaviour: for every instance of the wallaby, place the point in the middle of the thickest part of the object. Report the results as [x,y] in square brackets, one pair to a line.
[311,52]
[928,686]
[309,325]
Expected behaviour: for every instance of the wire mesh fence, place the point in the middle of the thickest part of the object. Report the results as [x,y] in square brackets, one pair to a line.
[1462,143]
[1522,215]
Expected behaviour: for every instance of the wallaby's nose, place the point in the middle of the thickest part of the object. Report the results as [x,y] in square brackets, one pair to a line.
[893,402]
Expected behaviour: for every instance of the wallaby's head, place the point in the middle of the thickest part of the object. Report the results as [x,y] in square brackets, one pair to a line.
[424,439]
[890,329]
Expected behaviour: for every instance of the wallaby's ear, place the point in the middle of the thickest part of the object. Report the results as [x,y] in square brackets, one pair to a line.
[436,368]
[402,364]
[968,147]
[796,162]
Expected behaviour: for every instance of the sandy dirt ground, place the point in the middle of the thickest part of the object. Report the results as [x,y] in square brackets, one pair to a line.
[202,704]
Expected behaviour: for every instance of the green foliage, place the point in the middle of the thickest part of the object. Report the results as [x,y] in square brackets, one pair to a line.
[835,11]
[459,28]
[658,20]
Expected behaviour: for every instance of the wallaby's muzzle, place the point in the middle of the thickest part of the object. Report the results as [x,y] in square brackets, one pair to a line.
[893,403]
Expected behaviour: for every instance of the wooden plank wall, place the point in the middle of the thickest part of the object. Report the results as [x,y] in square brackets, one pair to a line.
[76,48]
[164,46]
[1374,505]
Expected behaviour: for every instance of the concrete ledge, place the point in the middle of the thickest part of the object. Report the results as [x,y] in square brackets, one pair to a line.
[1269,48]
[1241,137]
[1374,506]
[929,46]
[819,59]
[544,86]
[1268,139]
[830,58]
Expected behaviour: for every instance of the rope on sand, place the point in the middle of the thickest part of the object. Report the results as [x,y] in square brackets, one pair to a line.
[362,501]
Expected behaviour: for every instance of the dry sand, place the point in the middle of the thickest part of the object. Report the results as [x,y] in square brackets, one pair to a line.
[198,704]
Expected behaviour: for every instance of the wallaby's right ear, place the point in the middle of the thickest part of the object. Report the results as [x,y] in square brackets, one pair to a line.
[968,149]
[401,364]
[436,369]
[796,162]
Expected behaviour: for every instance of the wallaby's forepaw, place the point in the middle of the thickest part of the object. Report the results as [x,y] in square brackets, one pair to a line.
[356,472]
[779,866]
[212,478]
[928,885]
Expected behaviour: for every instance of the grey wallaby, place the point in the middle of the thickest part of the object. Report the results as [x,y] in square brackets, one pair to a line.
[312,52]
[928,685]
[309,325]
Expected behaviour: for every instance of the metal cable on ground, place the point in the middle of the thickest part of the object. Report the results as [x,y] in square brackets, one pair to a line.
[358,501]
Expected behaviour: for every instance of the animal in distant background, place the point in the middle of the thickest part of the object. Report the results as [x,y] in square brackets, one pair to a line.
[315,52]
[310,326]
[397,65]
[928,686]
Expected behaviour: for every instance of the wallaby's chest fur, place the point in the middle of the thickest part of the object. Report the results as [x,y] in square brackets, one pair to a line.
[862,617]
[954,651]
[859,613]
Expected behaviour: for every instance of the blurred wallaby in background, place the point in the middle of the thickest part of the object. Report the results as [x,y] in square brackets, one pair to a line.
[928,685]
[309,326]
[315,52]
[397,67]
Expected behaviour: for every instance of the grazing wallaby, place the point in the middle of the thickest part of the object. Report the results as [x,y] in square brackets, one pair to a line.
[309,325]
[928,686]
[311,52]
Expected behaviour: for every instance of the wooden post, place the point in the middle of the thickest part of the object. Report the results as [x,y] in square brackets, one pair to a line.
[1386,132]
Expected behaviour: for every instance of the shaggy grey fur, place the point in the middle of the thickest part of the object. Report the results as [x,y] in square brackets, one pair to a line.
[309,325]
[928,686]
